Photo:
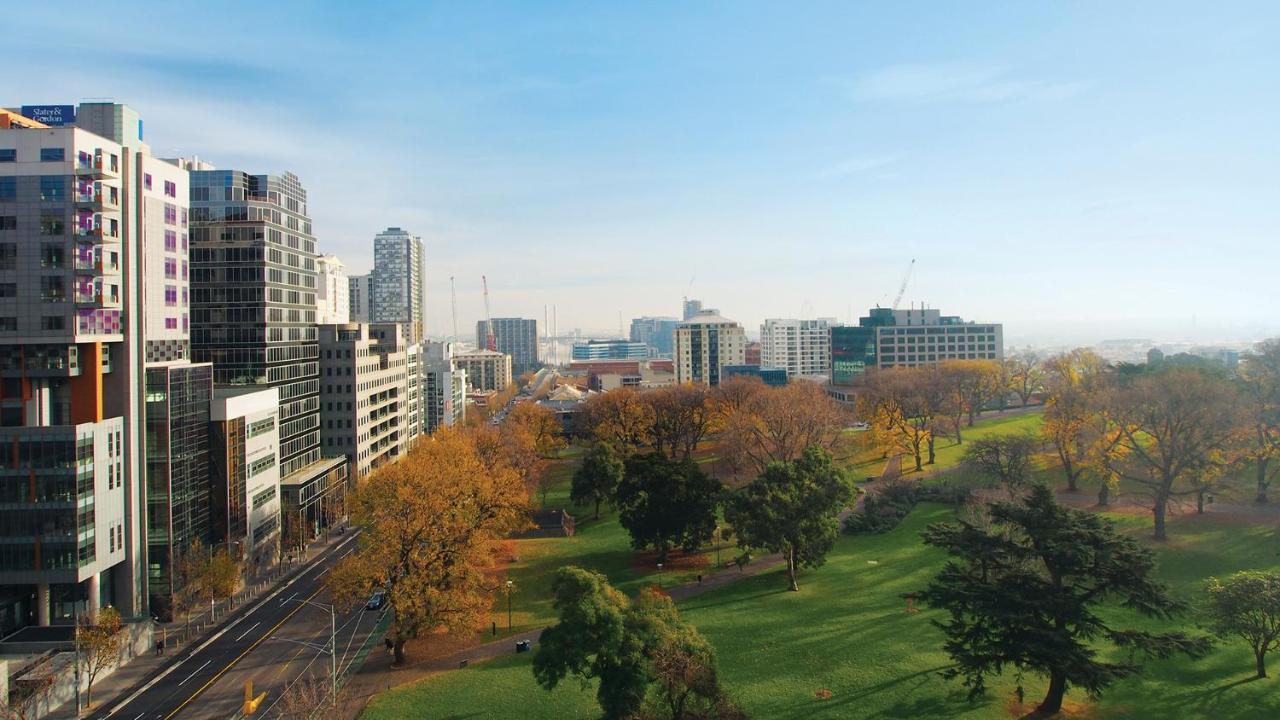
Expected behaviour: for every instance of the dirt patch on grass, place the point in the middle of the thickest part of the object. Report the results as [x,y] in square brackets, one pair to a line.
[1070,709]
[647,561]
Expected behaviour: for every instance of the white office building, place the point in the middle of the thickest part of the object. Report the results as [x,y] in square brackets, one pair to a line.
[801,347]
[705,344]
[333,292]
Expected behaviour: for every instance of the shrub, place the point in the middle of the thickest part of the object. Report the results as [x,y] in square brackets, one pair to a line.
[882,511]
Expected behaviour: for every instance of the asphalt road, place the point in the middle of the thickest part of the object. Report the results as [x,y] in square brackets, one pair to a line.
[272,644]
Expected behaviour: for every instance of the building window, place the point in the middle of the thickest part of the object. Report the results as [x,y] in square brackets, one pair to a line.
[8,155]
[53,189]
[170,241]
[170,214]
[8,324]
[52,222]
[52,322]
[8,222]
[146,181]
[170,295]
[52,154]
[257,467]
[52,256]
[8,188]
[170,189]
[52,289]
[171,323]
[8,290]
[171,268]
[8,256]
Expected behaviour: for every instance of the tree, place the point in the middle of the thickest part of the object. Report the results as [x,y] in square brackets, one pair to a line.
[596,480]
[1024,592]
[667,503]
[530,435]
[432,524]
[1259,378]
[974,383]
[1004,459]
[778,424]
[628,647]
[1174,431]
[305,698]
[619,417]
[1074,382]
[1247,605]
[29,693]
[1024,375]
[682,416]
[792,508]
[99,645]
[905,406]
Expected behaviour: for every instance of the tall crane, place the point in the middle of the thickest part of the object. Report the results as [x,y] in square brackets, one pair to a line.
[902,289]
[453,299]
[490,343]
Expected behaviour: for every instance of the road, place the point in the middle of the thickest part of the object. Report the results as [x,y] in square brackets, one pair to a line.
[263,645]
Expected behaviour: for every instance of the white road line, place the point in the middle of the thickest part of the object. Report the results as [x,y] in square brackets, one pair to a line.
[290,598]
[193,672]
[139,715]
[137,693]
[246,632]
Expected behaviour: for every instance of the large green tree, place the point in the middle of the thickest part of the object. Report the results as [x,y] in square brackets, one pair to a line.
[598,477]
[665,503]
[1006,459]
[1023,591]
[629,647]
[792,508]
[1247,605]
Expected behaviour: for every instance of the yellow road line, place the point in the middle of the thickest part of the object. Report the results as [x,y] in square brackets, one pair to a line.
[240,657]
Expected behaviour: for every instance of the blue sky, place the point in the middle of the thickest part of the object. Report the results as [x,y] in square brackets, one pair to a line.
[1095,169]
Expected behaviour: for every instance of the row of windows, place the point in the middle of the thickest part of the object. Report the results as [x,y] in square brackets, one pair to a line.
[259,427]
[261,465]
[265,496]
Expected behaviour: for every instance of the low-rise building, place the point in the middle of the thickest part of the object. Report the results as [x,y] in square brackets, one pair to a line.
[907,338]
[486,370]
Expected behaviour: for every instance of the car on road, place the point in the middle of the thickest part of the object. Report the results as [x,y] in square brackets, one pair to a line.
[376,601]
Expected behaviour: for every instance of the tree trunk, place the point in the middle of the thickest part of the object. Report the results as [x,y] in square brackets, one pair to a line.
[1071,472]
[1104,495]
[791,569]
[1052,702]
[932,455]
[919,466]
[972,414]
[398,649]
[1261,656]
[1200,502]
[597,508]
[1158,512]
[1262,482]
[958,423]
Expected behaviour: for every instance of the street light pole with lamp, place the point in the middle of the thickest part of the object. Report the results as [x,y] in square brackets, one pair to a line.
[331,648]
[659,575]
[510,586]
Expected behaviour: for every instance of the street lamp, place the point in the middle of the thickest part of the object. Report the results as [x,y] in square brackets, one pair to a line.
[509,586]
[659,575]
[331,648]
[719,539]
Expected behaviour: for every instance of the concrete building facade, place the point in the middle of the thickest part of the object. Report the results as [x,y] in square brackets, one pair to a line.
[704,345]
[907,338]
[444,393]
[364,390]
[656,332]
[517,337]
[801,347]
[333,291]
[245,470]
[486,370]
[398,282]
[359,292]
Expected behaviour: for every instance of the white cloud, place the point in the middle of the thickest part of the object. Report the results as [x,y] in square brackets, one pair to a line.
[957,82]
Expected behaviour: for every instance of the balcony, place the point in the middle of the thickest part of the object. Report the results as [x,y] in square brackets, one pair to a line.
[100,233]
[98,167]
[97,300]
[99,200]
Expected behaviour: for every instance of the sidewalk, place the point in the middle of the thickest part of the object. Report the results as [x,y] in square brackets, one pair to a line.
[136,672]
[378,676]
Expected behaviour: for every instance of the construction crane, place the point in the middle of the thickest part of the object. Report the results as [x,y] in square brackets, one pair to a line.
[902,289]
[453,299]
[490,343]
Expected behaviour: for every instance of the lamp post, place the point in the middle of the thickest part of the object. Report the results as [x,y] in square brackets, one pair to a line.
[509,587]
[331,647]
[719,540]
[659,575]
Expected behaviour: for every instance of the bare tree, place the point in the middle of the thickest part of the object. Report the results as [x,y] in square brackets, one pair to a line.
[1005,459]
[305,698]
[683,415]
[29,694]
[1024,375]
[1074,383]
[99,645]
[778,424]
[1259,379]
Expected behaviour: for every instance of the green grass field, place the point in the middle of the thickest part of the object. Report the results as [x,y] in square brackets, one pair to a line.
[846,631]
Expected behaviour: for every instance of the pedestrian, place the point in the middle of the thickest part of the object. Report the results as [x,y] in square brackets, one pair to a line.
[159,646]
[699,578]
[390,645]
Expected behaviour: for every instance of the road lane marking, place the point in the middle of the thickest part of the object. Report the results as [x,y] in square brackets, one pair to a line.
[246,632]
[289,599]
[260,604]
[241,656]
[193,672]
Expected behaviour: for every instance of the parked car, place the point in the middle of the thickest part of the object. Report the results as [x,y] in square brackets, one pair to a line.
[376,601]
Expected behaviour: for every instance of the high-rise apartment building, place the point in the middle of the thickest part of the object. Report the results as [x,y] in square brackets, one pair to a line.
[486,370]
[444,392]
[656,332]
[801,347]
[364,392]
[691,308]
[398,283]
[517,337]
[704,345]
[918,336]
[359,294]
[333,292]
[92,232]
[253,305]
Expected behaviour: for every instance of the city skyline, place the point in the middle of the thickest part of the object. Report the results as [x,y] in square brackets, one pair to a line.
[1046,169]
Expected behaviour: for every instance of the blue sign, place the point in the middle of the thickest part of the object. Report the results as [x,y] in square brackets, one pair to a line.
[50,114]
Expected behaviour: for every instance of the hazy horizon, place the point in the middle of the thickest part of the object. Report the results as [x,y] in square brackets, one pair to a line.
[1073,172]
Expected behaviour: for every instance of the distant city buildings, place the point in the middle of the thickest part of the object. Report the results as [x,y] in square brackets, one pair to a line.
[801,347]
[658,333]
[486,370]
[692,308]
[333,292]
[706,343]
[444,393]
[517,337]
[918,336]
[359,295]
[769,376]
[398,282]
[609,350]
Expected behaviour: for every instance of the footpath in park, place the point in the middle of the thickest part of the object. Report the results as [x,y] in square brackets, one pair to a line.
[181,635]
[377,675]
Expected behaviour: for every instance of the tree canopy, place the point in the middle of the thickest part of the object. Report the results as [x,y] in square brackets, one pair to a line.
[597,479]
[665,503]
[1247,605]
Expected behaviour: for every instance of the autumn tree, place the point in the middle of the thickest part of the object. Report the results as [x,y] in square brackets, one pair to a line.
[1024,590]
[637,651]
[793,508]
[1259,379]
[974,383]
[905,407]
[596,480]
[1023,375]
[531,435]
[777,424]
[665,503]
[99,645]
[29,694]
[683,415]
[1005,459]
[432,525]
[1247,605]
[619,417]
[1073,383]
[1174,431]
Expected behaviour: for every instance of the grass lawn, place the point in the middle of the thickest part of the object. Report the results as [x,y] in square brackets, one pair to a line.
[846,631]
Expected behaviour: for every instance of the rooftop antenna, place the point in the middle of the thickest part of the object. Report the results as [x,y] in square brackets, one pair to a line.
[490,343]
